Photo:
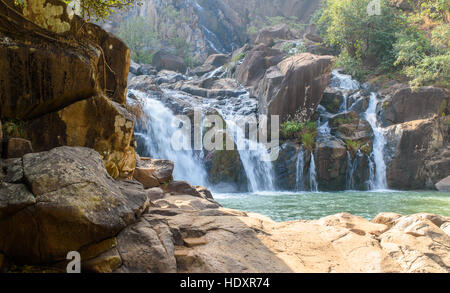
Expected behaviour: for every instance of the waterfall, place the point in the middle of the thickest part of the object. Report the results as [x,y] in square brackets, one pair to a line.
[157,134]
[254,157]
[378,176]
[300,164]
[313,175]
[351,168]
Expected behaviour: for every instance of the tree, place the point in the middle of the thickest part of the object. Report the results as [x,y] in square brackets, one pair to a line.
[140,37]
[346,24]
[100,9]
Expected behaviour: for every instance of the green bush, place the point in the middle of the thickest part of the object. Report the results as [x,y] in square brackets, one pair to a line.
[290,128]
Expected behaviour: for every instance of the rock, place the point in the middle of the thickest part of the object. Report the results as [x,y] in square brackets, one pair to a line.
[97,123]
[404,104]
[145,176]
[255,64]
[76,204]
[285,167]
[16,148]
[331,158]
[68,73]
[1,136]
[355,224]
[160,169]
[204,192]
[146,69]
[165,60]
[13,170]
[349,127]
[387,219]
[147,246]
[13,198]
[181,187]
[134,68]
[268,35]
[444,185]
[294,87]
[332,100]
[417,244]
[419,154]
[212,62]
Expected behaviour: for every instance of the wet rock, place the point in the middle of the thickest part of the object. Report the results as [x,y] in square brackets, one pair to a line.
[331,158]
[285,167]
[348,126]
[444,185]
[332,100]
[212,62]
[13,198]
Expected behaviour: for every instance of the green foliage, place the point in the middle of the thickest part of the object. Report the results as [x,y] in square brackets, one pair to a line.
[435,9]
[100,9]
[307,132]
[13,128]
[290,128]
[431,69]
[290,48]
[351,65]
[308,140]
[238,57]
[140,37]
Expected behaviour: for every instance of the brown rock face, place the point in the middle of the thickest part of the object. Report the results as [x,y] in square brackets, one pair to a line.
[16,148]
[421,153]
[70,202]
[97,123]
[294,87]
[165,60]
[41,75]
[407,105]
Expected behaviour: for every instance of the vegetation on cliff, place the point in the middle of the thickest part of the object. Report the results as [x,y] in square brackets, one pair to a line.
[412,42]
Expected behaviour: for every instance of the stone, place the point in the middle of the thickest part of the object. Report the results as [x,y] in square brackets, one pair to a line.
[106,262]
[386,219]
[76,204]
[405,104]
[16,148]
[419,154]
[212,62]
[444,185]
[349,126]
[13,169]
[13,198]
[146,177]
[294,88]
[332,100]
[97,123]
[67,72]
[134,67]
[331,157]
[165,60]
[161,170]
[181,187]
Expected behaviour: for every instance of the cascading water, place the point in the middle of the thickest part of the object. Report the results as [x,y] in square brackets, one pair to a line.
[313,185]
[157,134]
[300,165]
[378,175]
[351,168]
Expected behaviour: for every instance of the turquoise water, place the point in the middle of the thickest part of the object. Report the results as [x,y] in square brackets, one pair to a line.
[286,206]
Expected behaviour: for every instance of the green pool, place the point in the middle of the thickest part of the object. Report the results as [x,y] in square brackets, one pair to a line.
[285,206]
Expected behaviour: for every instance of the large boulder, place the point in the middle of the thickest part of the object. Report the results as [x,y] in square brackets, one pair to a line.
[97,123]
[255,64]
[212,62]
[41,75]
[331,158]
[294,87]
[353,130]
[15,148]
[444,185]
[418,153]
[406,104]
[165,60]
[153,172]
[69,202]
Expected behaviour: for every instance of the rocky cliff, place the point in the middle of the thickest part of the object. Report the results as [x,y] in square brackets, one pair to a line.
[214,26]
